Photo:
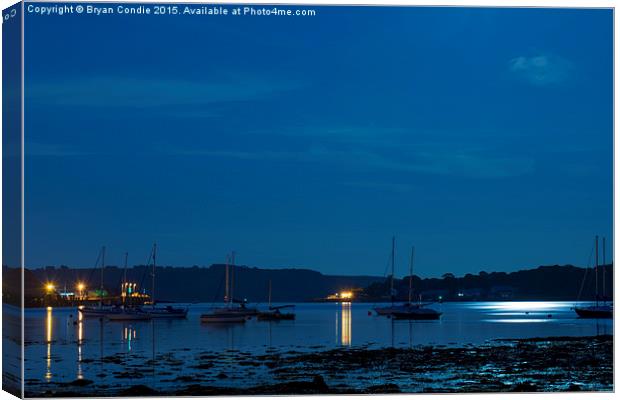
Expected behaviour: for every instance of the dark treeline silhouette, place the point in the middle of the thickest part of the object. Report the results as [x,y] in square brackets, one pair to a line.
[543,283]
[206,284]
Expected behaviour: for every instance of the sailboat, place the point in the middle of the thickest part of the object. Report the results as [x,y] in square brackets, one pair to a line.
[274,313]
[161,312]
[100,311]
[234,306]
[407,310]
[386,311]
[597,310]
[112,313]
[229,313]
[123,313]
[414,311]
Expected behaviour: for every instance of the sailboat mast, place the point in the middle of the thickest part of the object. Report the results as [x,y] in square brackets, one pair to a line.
[411,273]
[124,286]
[596,267]
[232,276]
[125,269]
[604,263]
[153,275]
[269,293]
[102,268]
[392,275]
[226,294]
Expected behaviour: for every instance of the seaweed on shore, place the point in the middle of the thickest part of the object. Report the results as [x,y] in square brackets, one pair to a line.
[509,365]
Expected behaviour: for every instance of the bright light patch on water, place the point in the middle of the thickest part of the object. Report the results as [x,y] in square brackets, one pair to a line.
[519,320]
[520,306]
[515,314]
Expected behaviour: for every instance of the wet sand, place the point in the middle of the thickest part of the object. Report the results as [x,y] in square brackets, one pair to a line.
[508,365]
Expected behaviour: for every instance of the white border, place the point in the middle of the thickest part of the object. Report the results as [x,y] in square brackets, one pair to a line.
[462,3]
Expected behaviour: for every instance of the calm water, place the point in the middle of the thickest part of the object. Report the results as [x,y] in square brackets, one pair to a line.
[60,348]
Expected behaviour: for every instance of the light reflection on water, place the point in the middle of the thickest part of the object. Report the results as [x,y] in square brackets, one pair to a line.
[344,324]
[517,320]
[522,306]
[69,344]
[48,340]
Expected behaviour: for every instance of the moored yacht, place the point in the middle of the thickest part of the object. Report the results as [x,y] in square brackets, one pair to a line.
[598,309]
[407,310]
[235,310]
[161,312]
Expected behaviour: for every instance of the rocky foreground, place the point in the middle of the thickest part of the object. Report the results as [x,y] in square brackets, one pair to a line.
[516,365]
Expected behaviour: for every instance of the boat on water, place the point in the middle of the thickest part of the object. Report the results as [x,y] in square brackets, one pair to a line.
[598,309]
[222,318]
[235,310]
[101,311]
[168,312]
[388,310]
[128,314]
[412,311]
[238,307]
[417,314]
[274,313]
[595,311]
[114,313]
[407,310]
[95,312]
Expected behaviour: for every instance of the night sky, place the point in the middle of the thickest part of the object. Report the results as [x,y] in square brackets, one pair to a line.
[481,136]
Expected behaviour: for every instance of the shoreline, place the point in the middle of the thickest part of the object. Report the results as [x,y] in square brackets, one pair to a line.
[370,303]
[549,364]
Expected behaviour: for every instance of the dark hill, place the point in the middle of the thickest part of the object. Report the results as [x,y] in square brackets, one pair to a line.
[542,283]
[206,284]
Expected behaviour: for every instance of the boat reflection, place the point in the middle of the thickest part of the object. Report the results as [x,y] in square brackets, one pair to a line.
[80,339]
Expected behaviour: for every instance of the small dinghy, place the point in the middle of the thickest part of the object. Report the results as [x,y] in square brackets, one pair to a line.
[274,314]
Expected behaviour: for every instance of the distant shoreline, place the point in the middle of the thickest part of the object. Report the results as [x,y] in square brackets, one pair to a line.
[324,302]
[191,285]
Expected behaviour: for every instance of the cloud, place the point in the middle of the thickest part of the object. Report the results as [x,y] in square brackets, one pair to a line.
[448,153]
[52,150]
[541,70]
[431,159]
[381,186]
[114,91]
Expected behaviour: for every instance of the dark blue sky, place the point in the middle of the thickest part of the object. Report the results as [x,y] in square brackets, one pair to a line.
[482,136]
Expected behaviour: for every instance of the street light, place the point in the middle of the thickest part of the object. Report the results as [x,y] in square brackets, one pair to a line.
[50,287]
[80,288]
